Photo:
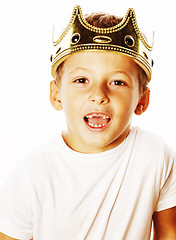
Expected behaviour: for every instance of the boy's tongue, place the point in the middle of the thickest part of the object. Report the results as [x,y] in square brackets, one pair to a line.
[97,120]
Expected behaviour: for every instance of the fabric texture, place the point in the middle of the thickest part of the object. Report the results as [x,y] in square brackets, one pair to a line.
[60,194]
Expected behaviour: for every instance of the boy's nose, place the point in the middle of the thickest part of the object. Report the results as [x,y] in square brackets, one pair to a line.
[99,97]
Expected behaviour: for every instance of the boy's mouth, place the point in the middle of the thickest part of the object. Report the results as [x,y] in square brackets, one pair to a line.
[97,121]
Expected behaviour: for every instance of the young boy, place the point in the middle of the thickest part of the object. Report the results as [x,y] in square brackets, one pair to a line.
[102,179]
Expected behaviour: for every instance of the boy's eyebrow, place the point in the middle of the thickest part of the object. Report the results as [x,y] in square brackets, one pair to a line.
[80,68]
[88,70]
[122,72]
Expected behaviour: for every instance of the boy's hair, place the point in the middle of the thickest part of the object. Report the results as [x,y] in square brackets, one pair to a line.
[104,20]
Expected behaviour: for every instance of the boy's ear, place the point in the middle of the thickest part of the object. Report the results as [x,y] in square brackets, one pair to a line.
[55,96]
[143,103]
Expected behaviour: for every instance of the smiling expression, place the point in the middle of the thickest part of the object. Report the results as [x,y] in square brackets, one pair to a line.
[99,93]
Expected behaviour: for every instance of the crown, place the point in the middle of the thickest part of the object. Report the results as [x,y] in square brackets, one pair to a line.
[124,38]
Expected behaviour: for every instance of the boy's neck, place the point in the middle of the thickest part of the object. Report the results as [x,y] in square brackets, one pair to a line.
[91,149]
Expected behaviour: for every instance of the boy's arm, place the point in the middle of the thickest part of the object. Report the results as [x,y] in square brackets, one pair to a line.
[4,237]
[165,224]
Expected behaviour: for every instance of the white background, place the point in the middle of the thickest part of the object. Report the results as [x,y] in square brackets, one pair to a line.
[26,117]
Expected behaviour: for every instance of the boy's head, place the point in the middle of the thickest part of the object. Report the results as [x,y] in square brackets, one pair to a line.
[103,20]
[99,91]
[103,32]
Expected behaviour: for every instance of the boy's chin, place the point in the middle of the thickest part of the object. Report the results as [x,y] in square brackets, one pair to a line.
[99,144]
[102,140]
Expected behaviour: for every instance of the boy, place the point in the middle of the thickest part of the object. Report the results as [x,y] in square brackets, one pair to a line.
[102,179]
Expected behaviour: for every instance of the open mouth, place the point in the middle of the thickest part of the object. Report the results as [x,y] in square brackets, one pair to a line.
[97,120]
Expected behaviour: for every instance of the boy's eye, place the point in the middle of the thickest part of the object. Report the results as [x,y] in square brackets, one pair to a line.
[118,83]
[81,80]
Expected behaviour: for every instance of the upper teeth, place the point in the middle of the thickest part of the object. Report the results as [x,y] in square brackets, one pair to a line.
[97,115]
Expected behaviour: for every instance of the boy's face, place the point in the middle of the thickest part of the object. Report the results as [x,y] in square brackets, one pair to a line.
[99,92]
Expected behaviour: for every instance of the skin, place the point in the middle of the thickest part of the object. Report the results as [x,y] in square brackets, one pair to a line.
[106,83]
[4,237]
[165,224]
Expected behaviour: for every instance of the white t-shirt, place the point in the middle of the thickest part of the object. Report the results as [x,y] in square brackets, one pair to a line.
[60,194]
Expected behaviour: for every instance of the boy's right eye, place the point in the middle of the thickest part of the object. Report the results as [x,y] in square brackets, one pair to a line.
[81,80]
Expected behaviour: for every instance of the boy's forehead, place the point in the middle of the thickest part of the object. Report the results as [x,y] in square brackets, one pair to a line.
[98,63]
[87,60]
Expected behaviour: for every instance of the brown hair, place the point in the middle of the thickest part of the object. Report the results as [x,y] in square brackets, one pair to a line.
[104,20]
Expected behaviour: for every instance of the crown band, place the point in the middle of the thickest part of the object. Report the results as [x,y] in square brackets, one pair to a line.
[124,38]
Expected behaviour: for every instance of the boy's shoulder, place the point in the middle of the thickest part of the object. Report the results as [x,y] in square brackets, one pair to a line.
[41,160]
[46,153]
[149,139]
[152,145]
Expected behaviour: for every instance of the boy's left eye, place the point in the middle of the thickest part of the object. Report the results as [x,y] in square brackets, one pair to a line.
[118,83]
[81,80]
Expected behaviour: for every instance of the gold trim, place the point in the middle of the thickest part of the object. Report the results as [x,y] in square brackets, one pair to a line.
[103,39]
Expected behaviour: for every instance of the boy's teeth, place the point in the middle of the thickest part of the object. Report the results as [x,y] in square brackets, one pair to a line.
[97,115]
[96,125]
[97,120]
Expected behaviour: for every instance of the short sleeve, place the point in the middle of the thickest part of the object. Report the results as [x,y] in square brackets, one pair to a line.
[16,212]
[167,195]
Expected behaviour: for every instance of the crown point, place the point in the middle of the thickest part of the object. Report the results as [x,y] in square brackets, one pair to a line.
[78,9]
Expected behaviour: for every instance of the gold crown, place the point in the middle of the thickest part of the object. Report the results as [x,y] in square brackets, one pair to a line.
[124,38]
